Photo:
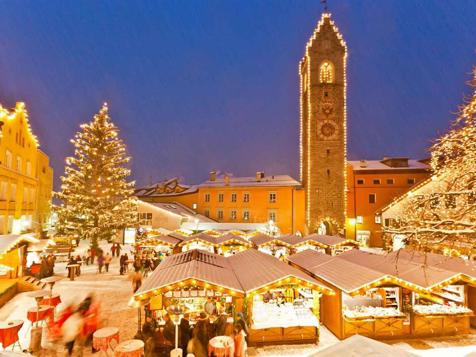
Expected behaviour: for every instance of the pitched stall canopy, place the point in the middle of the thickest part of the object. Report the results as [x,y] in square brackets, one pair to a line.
[236,275]
[199,241]
[229,244]
[271,245]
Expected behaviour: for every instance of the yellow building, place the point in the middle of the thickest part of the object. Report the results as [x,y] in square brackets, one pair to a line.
[227,198]
[26,178]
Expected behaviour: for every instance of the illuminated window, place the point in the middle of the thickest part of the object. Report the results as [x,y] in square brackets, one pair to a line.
[360,219]
[272,197]
[326,72]
[411,181]
[246,215]
[8,159]
[19,163]
[378,219]
[272,216]
[233,215]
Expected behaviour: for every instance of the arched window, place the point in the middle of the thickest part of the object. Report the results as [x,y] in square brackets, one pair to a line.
[326,72]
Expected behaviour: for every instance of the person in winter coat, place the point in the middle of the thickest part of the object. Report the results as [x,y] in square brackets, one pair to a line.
[240,341]
[71,330]
[220,323]
[136,279]
[184,328]
[107,261]
[100,262]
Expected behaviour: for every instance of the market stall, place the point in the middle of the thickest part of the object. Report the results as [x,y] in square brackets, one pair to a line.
[157,244]
[273,246]
[230,244]
[281,303]
[201,241]
[333,245]
[387,298]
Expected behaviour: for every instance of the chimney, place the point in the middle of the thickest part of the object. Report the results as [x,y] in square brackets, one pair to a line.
[227,179]
[213,175]
[259,176]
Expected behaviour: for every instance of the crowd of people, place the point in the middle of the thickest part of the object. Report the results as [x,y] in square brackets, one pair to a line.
[44,268]
[193,337]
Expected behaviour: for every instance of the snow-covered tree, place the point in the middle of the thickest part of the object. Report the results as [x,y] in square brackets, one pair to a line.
[442,216]
[95,193]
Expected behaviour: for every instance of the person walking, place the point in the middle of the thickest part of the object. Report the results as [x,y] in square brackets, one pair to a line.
[136,278]
[107,261]
[71,330]
[113,249]
[240,341]
[118,249]
[100,262]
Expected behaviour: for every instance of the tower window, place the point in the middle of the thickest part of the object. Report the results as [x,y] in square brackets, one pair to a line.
[328,152]
[328,173]
[372,198]
[326,72]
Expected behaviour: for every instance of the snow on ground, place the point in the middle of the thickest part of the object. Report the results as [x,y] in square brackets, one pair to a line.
[114,292]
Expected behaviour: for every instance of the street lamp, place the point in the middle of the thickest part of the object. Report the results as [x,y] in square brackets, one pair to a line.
[175,313]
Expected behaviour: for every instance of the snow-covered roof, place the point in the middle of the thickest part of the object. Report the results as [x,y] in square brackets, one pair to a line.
[166,188]
[245,181]
[385,165]
[178,209]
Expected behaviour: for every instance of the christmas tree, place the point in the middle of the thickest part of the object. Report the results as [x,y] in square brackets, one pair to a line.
[96,196]
[442,214]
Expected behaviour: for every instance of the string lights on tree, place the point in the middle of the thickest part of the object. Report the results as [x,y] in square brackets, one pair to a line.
[95,193]
[443,216]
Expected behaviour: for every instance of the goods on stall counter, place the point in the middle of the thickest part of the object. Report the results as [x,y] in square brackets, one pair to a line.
[441,309]
[371,311]
[266,315]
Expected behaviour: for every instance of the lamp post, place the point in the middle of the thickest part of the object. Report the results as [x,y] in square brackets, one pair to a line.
[175,313]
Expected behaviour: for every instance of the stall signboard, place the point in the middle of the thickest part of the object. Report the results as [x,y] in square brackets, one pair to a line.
[129,236]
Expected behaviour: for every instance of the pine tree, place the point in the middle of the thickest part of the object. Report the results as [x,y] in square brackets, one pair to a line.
[96,196]
[443,216]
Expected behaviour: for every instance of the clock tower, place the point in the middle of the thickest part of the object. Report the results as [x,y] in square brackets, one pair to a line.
[322,74]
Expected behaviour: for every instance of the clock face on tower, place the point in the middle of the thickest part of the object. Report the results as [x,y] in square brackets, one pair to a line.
[327,130]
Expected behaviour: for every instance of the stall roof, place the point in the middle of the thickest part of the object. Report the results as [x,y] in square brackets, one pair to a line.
[425,276]
[242,272]
[8,241]
[200,236]
[343,274]
[256,270]
[328,240]
[232,237]
[168,240]
[193,264]
[261,238]
[292,239]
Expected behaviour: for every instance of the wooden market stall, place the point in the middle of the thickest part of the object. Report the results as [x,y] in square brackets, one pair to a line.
[229,244]
[387,298]
[157,244]
[201,241]
[280,301]
[272,245]
[332,245]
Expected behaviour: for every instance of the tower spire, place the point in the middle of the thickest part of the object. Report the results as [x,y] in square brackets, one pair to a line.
[324,3]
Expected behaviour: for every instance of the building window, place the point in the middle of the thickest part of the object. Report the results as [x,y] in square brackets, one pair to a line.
[28,168]
[411,181]
[326,72]
[206,213]
[376,181]
[272,216]
[220,214]
[194,205]
[32,195]
[13,192]
[378,219]
[221,197]
[390,181]
[360,219]
[3,190]
[19,163]
[372,198]
[8,159]
[272,197]
[233,197]
[246,215]
[360,182]
[246,197]
[207,197]
[233,214]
